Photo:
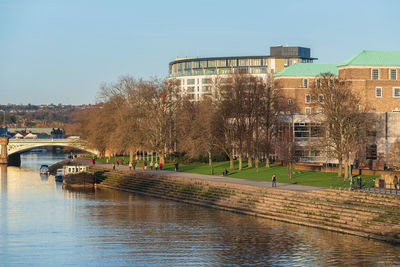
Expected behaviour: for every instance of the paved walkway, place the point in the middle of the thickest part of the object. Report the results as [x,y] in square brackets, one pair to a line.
[216,178]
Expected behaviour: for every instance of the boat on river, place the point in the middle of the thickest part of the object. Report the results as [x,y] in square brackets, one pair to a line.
[59,175]
[44,169]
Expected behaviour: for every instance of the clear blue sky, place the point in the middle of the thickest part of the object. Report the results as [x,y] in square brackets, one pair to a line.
[60,51]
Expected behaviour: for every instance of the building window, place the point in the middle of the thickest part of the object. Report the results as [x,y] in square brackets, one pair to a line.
[378,92]
[375,74]
[305,83]
[205,88]
[330,83]
[393,74]
[190,81]
[308,99]
[206,81]
[289,101]
[396,92]
[321,99]
[308,110]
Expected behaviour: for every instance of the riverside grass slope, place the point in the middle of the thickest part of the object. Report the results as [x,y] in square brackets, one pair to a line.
[300,177]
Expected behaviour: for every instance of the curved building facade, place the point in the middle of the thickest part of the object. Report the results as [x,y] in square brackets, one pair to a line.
[198,76]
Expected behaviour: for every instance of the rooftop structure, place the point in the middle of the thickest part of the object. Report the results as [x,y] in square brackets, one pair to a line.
[373,58]
[307,69]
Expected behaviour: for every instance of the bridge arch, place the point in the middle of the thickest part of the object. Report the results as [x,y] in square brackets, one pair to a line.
[25,148]
[17,146]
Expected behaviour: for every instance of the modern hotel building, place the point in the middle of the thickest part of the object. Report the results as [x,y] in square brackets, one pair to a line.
[197,76]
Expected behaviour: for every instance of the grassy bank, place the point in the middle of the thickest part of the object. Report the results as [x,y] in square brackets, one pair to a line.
[301,177]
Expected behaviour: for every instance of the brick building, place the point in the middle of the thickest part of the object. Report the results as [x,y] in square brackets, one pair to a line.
[373,75]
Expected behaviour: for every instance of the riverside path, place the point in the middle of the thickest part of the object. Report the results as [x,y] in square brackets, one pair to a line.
[215,178]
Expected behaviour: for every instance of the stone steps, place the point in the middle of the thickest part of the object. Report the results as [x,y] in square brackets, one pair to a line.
[327,209]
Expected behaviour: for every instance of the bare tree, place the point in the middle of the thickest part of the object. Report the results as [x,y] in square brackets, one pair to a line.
[338,110]
[196,129]
[160,102]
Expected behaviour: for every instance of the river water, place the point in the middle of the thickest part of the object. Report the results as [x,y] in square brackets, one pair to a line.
[43,224]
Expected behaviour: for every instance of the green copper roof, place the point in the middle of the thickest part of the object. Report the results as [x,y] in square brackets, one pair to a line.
[308,69]
[374,58]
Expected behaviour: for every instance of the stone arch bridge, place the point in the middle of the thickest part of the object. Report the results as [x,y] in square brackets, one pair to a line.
[13,147]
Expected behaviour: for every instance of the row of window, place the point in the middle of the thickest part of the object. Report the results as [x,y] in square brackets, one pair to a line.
[216,71]
[193,81]
[375,74]
[378,94]
[395,92]
[223,63]
[318,83]
[203,89]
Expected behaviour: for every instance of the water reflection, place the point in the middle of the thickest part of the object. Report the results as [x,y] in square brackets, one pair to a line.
[51,225]
[3,177]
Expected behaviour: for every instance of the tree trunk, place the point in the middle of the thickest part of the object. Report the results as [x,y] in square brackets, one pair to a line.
[231,162]
[240,161]
[131,156]
[289,169]
[340,168]
[210,162]
[346,166]
[267,162]
[257,162]
[250,162]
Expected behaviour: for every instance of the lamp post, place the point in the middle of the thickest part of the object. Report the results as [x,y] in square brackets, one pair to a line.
[349,164]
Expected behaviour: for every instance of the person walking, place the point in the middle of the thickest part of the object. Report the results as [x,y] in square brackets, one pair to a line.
[91,160]
[156,166]
[274,180]
[176,166]
[117,162]
[134,165]
[94,161]
[113,166]
[161,165]
[130,165]
[151,165]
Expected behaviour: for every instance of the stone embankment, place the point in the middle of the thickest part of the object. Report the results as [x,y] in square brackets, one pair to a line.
[358,213]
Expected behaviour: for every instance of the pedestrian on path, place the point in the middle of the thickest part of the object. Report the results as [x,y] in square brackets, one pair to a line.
[130,165]
[134,165]
[113,166]
[117,162]
[274,180]
[151,165]
[161,166]
[176,166]
[156,166]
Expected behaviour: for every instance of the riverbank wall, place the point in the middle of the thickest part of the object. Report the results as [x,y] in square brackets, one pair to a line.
[357,213]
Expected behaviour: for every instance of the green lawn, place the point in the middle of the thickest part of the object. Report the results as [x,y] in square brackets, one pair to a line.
[301,177]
